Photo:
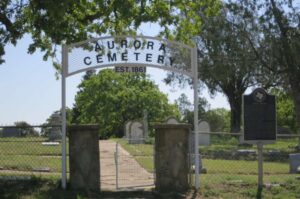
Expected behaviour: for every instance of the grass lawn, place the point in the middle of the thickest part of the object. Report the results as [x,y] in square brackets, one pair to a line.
[27,146]
[235,178]
[41,188]
[243,167]
[226,143]
[28,153]
[225,178]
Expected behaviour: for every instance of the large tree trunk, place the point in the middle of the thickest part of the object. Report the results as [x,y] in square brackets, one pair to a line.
[235,102]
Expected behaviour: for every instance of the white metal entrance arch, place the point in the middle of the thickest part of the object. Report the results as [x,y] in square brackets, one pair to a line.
[129,51]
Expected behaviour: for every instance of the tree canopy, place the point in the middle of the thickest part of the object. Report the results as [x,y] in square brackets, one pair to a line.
[285,110]
[56,22]
[110,99]
[186,108]
[251,43]
[226,62]
[227,65]
[26,129]
[278,50]
[11,23]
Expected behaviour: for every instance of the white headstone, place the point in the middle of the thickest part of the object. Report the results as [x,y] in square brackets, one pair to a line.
[127,129]
[241,139]
[171,120]
[136,133]
[204,133]
[145,122]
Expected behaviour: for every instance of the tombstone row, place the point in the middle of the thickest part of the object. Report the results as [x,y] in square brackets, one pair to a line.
[136,134]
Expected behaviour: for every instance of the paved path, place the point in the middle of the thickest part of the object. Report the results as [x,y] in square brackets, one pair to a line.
[131,175]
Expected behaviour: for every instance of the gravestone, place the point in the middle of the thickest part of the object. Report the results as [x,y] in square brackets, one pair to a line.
[171,120]
[294,162]
[127,129]
[204,133]
[241,139]
[136,133]
[55,131]
[203,138]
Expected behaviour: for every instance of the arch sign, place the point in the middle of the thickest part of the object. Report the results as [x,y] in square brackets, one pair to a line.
[129,53]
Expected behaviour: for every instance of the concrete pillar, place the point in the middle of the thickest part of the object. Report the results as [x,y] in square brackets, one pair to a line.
[171,157]
[84,157]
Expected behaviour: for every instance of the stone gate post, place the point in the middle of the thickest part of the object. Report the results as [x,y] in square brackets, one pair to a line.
[84,157]
[171,157]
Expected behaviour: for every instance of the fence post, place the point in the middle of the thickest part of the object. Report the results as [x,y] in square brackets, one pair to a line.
[117,167]
[260,165]
[84,157]
[171,161]
[154,168]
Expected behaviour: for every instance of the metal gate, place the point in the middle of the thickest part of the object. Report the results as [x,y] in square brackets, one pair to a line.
[126,165]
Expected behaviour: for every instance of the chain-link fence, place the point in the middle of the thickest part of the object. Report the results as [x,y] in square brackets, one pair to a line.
[30,150]
[134,161]
[33,151]
[226,160]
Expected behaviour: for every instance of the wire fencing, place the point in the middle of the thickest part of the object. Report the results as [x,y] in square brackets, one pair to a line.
[228,161]
[30,150]
[224,160]
[33,150]
[134,160]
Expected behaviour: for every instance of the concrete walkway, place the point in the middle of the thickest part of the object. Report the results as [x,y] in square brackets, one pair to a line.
[131,175]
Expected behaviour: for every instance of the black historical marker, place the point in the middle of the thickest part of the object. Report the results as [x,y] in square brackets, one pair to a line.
[259,116]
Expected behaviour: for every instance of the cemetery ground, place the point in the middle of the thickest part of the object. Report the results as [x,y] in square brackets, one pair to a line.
[228,174]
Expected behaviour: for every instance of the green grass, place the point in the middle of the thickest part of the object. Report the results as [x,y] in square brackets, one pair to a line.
[142,153]
[30,162]
[235,178]
[225,178]
[136,149]
[241,187]
[28,153]
[243,167]
[27,146]
[226,143]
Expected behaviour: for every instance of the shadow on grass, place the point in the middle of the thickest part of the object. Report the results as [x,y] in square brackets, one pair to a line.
[48,189]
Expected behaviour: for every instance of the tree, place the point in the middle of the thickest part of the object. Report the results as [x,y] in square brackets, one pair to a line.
[227,63]
[27,129]
[219,119]
[56,22]
[45,131]
[11,23]
[110,99]
[285,110]
[278,50]
[187,109]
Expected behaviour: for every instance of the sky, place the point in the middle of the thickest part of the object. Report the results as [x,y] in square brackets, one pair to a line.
[30,91]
